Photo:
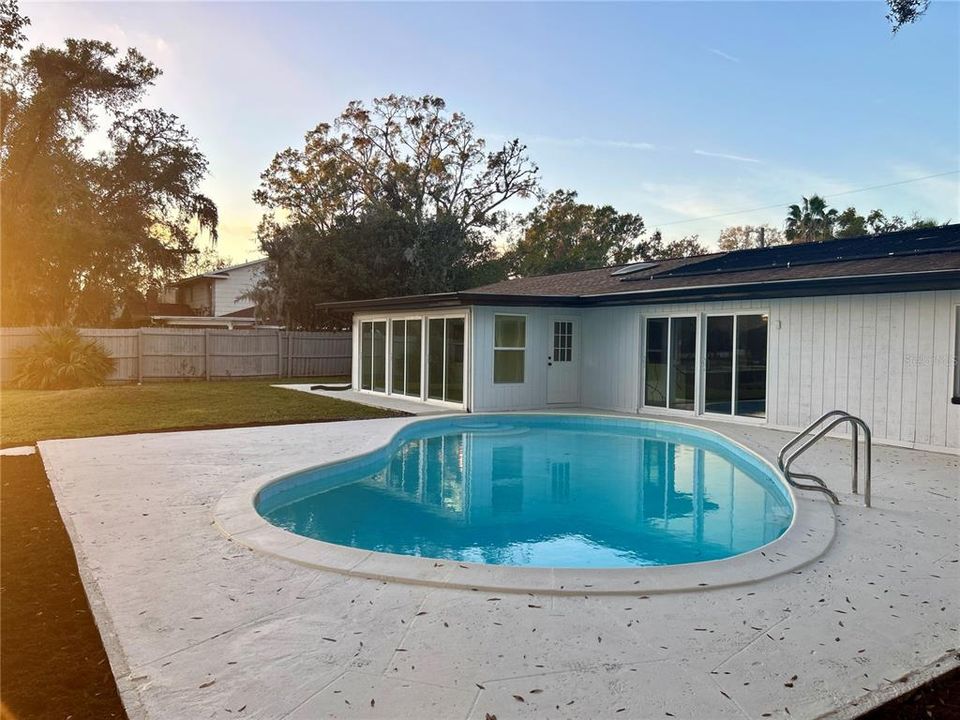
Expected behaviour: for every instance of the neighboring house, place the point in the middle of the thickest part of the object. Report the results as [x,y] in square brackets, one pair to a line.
[213,299]
[773,337]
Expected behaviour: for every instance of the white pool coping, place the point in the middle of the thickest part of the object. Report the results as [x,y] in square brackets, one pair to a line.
[809,535]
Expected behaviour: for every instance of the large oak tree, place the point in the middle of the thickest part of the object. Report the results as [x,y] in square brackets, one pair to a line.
[561,234]
[398,197]
[83,231]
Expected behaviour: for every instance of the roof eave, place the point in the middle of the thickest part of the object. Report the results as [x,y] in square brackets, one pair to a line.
[793,287]
[948,279]
[445,300]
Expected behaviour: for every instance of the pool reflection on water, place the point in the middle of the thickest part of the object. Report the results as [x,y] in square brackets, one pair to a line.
[547,495]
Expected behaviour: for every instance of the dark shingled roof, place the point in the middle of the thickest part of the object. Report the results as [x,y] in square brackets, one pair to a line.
[925,259]
[601,282]
[580,282]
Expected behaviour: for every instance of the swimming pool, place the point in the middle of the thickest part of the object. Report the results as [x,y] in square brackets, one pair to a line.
[557,491]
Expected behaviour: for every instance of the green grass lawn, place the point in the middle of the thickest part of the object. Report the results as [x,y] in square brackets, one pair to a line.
[30,415]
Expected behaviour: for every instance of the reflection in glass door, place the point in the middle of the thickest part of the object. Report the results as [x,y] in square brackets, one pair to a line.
[735,365]
[435,359]
[405,378]
[683,363]
[670,367]
[718,365]
[445,359]
[655,393]
[751,387]
[373,355]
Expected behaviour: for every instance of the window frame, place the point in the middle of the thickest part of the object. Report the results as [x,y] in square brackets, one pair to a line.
[567,336]
[391,390]
[955,399]
[522,349]
[373,320]
[697,366]
[425,361]
[702,358]
[424,316]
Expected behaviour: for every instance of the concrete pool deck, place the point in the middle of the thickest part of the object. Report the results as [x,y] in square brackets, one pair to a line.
[199,627]
[385,402]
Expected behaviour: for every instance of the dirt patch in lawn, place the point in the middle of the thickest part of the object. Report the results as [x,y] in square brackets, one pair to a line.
[53,664]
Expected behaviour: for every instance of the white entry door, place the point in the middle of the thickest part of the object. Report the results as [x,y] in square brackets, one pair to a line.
[563,363]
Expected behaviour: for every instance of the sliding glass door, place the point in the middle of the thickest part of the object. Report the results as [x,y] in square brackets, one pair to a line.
[751,385]
[655,394]
[405,376]
[731,365]
[671,363]
[718,366]
[735,365]
[373,355]
[683,363]
[445,359]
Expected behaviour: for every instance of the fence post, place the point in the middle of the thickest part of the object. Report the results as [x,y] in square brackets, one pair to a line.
[289,354]
[279,354]
[139,356]
[206,353]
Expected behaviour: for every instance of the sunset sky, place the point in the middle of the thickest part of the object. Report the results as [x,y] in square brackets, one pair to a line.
[677,111]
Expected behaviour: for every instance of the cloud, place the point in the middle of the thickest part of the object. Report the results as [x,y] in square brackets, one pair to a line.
[726,156]
[588,142]
[725,56]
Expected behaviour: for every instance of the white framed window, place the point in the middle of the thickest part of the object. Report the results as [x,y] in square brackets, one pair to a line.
[509,348]
[563,341]
[417,355]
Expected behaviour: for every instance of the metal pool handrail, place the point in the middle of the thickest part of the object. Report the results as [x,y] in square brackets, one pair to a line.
[785,458]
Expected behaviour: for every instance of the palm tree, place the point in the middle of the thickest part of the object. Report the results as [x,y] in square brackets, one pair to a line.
[811,221]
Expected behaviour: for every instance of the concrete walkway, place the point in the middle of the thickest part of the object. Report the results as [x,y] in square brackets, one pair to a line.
[197,627]
[20,450]
[387,402]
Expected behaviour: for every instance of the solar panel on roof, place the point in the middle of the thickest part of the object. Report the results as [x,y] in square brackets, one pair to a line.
[635,267]
[904,243]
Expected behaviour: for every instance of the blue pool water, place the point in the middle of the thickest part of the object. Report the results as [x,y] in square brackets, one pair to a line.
[541,490]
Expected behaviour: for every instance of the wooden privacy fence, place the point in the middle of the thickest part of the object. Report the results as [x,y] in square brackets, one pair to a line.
[174,353]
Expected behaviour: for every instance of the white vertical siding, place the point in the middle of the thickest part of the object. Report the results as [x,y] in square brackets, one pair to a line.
[532,392]
[884,357]
[941,368]
[610,371]
[227,292]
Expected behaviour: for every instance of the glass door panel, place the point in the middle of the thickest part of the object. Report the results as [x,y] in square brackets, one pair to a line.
[718,366]
[435,358]
[453,384]
[414,331]
[379,358]
[366,355]
[655,393]
[751,387]
[398,355]
[683,363]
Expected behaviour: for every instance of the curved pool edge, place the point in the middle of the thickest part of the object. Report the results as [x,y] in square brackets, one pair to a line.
[808,537]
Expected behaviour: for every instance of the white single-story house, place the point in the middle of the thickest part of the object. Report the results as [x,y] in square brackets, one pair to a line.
[212,300]
[772,336]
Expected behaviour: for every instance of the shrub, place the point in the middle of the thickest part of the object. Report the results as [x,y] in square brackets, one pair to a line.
[62,360]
